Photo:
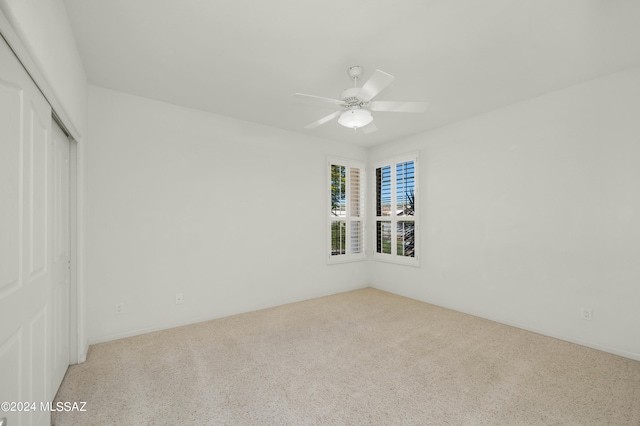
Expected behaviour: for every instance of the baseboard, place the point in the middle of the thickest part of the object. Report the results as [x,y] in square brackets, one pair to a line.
[82,356]
[195,320]
[603,348]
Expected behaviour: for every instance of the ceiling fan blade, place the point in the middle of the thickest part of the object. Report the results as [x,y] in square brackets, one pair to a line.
[318,98]
[391,106]
[323,120]
[378,81]
[369,128]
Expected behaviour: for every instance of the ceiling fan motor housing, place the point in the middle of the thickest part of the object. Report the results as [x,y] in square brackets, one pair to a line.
[351,98]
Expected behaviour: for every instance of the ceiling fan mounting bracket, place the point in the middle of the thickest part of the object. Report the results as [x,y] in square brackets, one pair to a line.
[355,72]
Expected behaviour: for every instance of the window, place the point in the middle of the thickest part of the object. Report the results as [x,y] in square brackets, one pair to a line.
[346,210]
[396,213]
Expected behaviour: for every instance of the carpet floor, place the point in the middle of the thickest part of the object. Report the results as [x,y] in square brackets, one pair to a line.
[361,357]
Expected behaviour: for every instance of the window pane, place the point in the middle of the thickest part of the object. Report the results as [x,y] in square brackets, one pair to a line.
[338,190]
[338,237]
[405,185]
[383,237]
[383,191]
[354,187]
[356,237]
[406,239]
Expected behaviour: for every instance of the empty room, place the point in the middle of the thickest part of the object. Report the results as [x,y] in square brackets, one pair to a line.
[338,212]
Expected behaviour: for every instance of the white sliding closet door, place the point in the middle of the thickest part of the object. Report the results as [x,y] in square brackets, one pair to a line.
[30,247]
[61,260]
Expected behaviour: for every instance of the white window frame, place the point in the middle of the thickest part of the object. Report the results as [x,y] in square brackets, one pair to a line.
[347,219]
[393,257]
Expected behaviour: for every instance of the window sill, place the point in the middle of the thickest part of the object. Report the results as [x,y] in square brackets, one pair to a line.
[398,260]
[336,260]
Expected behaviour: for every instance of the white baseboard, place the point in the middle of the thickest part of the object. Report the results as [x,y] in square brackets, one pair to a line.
[195,320]
[604,348]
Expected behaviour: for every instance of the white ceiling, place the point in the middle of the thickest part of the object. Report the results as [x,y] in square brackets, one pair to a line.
[244,58]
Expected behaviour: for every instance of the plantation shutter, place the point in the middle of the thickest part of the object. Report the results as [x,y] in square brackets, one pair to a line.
[396,183]
[347,208]
[356,237]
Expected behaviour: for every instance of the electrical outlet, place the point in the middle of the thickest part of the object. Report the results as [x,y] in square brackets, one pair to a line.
[178,298]
[119,308]
[585,314]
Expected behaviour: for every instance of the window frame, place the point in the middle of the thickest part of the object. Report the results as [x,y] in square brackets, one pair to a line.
[348,219]
[393,217]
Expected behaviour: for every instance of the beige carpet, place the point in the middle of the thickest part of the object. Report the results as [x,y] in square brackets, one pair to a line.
[362,357]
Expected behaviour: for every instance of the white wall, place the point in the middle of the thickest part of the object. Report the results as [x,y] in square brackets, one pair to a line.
[44,29]
[229,213]
[531,212]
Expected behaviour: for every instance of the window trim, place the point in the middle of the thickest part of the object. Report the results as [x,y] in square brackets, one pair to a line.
[393,218]
[347,257]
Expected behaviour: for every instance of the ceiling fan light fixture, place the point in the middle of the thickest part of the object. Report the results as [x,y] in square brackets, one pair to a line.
[355,118]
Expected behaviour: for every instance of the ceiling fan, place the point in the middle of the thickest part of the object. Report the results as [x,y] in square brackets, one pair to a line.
[356,103]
